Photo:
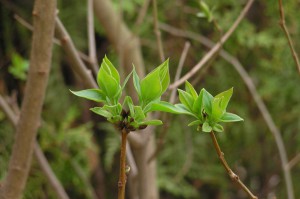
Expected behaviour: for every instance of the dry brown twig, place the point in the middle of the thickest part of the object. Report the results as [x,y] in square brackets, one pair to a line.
[287,35]
[215,49]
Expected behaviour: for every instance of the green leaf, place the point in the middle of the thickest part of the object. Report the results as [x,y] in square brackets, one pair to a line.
[230,117]
[151,87]
[207,102]
[114,109]
[108,84]
[218,128]
[102,112]
[126,79]
[190,89]
[226,98]
[151,122]
[138,114]
[164,75]
[196,122]
[128,101]
[165,107]
[186,99]
[198,105]
[136,82]
[110,68]
[217,110]
[206,127]
[90,94]
[182,109]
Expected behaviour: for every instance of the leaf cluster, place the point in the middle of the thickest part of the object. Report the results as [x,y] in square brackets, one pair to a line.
[209,111]
[127,115]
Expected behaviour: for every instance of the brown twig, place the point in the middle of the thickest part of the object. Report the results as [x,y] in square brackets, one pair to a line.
[27,25]
[254,93]
[215,49]
[142,13]
[287,35]
[231,174]
[91,36]
[77,64]
[293,162]
[122,175]
[157,31]
[44,13]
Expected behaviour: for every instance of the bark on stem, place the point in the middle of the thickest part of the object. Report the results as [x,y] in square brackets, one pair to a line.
[40,61]
[231,174]
[122,175]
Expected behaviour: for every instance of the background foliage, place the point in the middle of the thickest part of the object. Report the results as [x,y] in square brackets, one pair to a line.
[76,143]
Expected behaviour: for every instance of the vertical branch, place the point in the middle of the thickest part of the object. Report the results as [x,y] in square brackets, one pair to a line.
[91,35]
[287,35]
[231,174]
[122,175]
[157,31]
[40,62]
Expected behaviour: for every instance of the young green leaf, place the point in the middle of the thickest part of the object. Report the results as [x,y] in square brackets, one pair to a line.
[151,87]
[230,117]
[198,105]
[102,112]
[190,89]
[126,80]
[217,110]
[108,84]
[186,99]
[196,122]
[206,127]
[151,122]
[91,94]
[110,68]
[226,97]
[164,75]
[218,128]
[136,82]
[139,115]
[207,102]
[128,101]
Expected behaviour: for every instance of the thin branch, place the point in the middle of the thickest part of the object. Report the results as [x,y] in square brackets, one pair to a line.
[142,13]
[77,64]
[157,31]
[287,35]
[40,61]
[293,162]
[179,69]
[215,49]
[122,174]
[45,166]
[55,40]
[231,174]
[253,91]
[91,36]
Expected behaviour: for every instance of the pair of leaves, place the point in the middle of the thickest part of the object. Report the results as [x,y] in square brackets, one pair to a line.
[208,110]
[153,85]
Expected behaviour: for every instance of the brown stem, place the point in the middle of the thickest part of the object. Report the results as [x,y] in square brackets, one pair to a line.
[122,175]
[287,35]
[231,174]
